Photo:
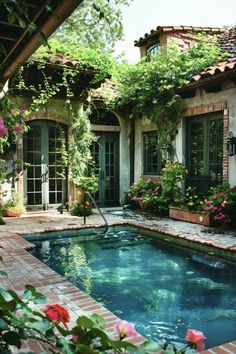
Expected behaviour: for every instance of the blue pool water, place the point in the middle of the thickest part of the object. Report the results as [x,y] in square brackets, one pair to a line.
[161,288]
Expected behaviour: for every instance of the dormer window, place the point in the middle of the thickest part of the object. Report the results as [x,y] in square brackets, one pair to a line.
[152,50]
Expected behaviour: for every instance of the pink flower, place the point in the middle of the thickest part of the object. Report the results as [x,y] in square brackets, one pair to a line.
[197,338]
[149,180]
[17,128]
[57,313]
[223,204]
[143,190]
[125,329]
[3,131]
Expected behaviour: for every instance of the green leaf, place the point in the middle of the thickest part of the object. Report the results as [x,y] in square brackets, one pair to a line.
[98,320]
[40,298]
[83,349]
[150,347]
[3,324]
[2,273]
[40,325]
[11,18]
[12,338]
[85,322]
[5,294]
[30,288]
[22,22]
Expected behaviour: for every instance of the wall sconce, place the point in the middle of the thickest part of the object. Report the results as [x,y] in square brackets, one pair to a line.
[231,144]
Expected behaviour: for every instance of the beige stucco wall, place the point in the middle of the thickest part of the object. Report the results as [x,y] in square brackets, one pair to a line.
[226,96]
[124,155]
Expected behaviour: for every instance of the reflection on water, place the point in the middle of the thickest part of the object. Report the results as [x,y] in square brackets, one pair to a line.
[162,289]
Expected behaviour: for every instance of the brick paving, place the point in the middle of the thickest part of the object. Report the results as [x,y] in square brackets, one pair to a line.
[23,268]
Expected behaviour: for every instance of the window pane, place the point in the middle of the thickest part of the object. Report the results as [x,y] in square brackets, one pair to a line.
[151,154]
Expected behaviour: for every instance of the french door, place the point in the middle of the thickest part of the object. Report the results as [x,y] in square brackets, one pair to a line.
[44,185]
[204,151]
[106,155]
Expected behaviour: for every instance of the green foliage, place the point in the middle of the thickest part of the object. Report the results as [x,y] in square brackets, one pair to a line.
[193,200]
[95,24]
[221,204]
[147,192]
[86,183]
[173,175]
[86,58]
[80,158]
[151,88]
[157,196]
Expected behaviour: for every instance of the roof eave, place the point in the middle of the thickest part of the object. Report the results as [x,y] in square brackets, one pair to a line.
[59,15]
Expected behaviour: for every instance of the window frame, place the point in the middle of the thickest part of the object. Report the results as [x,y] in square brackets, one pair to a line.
[147,152]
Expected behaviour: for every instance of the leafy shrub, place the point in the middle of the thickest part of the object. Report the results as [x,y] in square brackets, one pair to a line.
[77,209]
[193,200]
[221,204]
[173,175]
[146,190]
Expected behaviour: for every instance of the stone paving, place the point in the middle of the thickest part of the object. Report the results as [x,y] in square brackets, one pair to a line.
[23,268]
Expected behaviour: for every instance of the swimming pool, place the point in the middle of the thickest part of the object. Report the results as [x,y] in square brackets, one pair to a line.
[161,288]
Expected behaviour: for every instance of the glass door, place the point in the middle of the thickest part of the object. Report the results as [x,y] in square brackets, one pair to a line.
[204,151]
[44,186]
[106,155]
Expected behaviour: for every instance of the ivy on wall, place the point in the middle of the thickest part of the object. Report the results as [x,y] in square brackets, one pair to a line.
[151,88]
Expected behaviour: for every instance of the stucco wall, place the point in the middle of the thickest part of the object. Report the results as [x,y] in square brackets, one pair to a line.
[228,96]
[203,102]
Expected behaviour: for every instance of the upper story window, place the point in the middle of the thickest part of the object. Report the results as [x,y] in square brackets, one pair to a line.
[152,51]
[152,163]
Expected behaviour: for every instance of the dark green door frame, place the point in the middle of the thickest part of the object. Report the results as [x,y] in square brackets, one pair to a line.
[204,150]
[44,187]
[106,156]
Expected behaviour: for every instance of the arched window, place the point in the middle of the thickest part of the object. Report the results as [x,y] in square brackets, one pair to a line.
[152,50]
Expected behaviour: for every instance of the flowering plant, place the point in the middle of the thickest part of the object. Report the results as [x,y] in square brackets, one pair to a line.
[20,320]
[221,204]
[173,175]
[147,191]
[193,200]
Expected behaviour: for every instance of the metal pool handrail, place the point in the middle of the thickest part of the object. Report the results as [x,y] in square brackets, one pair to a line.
[99,210]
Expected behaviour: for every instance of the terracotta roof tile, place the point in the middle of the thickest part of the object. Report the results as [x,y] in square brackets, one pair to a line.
[160,29]
[221,67]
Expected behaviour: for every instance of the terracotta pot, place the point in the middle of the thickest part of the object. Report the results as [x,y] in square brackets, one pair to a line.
[186,215]
[13,213]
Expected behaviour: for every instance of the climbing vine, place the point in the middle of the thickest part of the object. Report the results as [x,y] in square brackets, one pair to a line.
[151,88]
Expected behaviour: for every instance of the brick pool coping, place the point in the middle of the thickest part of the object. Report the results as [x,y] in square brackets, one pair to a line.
[24,268]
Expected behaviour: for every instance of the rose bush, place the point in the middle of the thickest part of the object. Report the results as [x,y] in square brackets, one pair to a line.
[20,320]
[221,204]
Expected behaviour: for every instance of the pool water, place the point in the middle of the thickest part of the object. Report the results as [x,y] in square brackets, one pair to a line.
[161,288]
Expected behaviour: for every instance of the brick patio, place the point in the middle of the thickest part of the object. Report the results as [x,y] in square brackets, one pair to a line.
[23,268]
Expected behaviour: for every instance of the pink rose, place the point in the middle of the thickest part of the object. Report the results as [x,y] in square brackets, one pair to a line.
[57,313]
[3,131]
[197,338]
[125,329]
[17,128]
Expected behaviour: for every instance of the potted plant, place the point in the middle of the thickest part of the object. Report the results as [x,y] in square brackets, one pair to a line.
[14,206]
[191,208]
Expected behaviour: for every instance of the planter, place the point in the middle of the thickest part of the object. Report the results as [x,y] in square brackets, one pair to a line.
[186,215]
[14,213]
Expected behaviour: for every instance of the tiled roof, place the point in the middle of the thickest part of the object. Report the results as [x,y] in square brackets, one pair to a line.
[165,29]
[215,69]
[227,42]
